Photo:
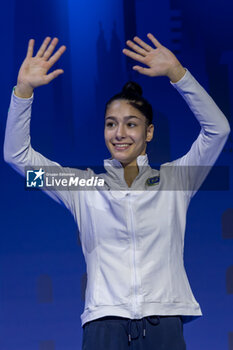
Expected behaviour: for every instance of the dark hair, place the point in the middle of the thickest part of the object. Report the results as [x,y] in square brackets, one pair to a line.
[132,92]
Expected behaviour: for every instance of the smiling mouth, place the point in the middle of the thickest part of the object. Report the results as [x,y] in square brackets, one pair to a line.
[121,146]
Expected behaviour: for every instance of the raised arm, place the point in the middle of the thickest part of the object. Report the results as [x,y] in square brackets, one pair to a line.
[18,151]
[195,165]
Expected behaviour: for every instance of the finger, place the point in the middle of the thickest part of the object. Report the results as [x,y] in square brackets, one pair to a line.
[133,55]
[136,48]
[43,47]
[53,75]
[57,55]
[142,44]
[30,48]
[145,71]
[50,49]
[154,40]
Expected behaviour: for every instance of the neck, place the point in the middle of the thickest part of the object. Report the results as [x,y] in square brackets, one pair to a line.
[130,172]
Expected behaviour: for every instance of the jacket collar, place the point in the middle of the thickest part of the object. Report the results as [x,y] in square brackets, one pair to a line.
[115,171]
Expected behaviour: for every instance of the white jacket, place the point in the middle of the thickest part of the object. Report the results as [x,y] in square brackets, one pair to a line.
[133,238]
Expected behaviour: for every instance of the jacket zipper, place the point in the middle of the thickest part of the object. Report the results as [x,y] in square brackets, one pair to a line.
[134,254]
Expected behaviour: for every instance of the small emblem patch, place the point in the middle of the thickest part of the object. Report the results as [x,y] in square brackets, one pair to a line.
[153,181]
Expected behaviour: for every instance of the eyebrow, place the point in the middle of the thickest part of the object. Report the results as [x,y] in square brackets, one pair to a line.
[125,118]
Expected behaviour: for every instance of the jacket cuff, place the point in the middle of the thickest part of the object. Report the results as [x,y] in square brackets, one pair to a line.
[21,98]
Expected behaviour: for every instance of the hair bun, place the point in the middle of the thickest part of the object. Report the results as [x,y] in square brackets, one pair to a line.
[132,88]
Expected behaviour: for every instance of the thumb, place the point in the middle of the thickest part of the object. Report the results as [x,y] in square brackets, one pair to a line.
[49,77]
[142,70]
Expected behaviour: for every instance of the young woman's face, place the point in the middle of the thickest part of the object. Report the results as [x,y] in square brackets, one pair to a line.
[126,132]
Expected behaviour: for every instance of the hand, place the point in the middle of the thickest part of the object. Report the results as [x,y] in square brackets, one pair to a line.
[33,72]
[161,61]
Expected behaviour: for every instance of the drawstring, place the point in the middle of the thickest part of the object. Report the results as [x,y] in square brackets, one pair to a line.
[144,327]
[154,320]
[129,324]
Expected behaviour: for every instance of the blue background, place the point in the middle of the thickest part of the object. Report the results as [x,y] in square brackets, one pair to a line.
[42,270]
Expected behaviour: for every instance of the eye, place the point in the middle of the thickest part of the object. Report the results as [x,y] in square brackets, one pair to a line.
[110,124]
[132,125]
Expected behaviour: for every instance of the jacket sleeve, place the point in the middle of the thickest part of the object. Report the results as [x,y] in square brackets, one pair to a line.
[18,152]
[194,166]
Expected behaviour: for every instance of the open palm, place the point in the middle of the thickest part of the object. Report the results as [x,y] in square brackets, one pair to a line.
[33,71]
[160,61]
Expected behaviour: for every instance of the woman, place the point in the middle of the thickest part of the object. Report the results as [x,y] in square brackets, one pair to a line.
[132,231]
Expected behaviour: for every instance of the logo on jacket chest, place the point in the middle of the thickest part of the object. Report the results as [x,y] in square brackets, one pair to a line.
[152,181]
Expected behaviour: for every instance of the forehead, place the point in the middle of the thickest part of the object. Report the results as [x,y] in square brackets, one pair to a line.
[123,108]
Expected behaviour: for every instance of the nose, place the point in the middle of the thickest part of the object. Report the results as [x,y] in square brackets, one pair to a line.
[120,132]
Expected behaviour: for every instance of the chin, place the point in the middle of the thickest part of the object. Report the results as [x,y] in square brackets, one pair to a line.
[124,160]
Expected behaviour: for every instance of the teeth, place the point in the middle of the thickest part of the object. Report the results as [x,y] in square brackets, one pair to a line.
[122,145]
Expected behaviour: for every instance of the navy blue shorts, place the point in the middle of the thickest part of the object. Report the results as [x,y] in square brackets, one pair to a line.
[148,333]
